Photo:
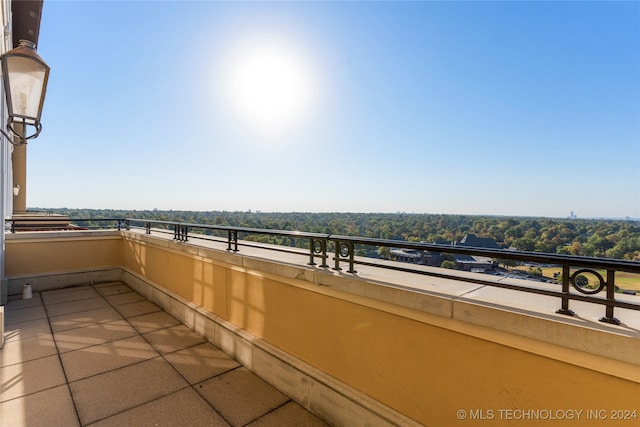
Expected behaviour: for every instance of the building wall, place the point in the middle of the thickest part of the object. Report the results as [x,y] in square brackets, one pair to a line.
[6,183]
[424,366]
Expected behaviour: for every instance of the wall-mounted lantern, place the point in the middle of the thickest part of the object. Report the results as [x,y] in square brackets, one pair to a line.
[25,76]
[16,190]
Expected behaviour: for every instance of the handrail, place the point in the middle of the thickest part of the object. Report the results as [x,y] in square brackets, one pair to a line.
[344,247]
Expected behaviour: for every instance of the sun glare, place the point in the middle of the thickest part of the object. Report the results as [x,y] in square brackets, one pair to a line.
[268,87]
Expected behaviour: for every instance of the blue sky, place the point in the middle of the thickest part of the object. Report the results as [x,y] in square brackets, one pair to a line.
[501,108]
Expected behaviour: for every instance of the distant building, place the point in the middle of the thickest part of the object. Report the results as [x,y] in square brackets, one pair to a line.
[474,241]
[407,255]
[473,262]
[463,262]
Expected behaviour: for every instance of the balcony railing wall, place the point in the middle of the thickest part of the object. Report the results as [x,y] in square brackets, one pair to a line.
[320,248]
[422,365]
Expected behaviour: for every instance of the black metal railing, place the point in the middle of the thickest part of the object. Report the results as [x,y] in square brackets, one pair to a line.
[318,246]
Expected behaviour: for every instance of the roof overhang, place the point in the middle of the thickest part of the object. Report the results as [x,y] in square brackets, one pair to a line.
[25,23]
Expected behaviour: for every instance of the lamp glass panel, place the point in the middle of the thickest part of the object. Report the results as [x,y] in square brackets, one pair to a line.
[26,81]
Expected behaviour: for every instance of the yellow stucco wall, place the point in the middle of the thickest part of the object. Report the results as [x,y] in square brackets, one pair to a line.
[425,371]
[426,368]
[34,256]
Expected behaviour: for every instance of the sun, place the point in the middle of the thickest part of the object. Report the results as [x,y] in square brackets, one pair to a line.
[268,86]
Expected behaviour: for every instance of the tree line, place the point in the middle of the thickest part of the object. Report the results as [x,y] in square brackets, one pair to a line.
[608,238]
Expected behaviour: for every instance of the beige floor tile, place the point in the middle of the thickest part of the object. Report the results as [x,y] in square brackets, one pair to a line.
[75,339]
[173,339]
[153,321]
[52,407]
[136,309]
[114,289]
[97,359]
[182,408]
[24,315]
[30,377]
[19,303]
[23,330]
[68,294]
[107,284]
[201,362]
[125,298]
[101,396]
[116,377]
[19,351]
[240,396]
[82,319]
[76,306]
[289,414]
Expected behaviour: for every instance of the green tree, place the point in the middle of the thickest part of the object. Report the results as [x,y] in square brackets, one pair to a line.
[448,264]
[384,252]
[535,271]
[582,281]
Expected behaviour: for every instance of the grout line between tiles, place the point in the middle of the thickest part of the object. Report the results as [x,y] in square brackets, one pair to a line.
[64,372]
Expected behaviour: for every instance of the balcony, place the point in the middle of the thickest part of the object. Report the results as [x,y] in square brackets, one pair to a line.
[350,340]
[103,355]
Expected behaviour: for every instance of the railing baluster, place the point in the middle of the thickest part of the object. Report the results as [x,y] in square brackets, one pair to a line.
[233,238]
[611,297]
[351,258]
[566,281]
[324,254]
[312,248]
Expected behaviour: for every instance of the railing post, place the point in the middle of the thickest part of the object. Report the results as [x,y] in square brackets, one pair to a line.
[351,258]
[324,253]
[337,256]
[233,238]
[611,297]
[565,291]
[312,248]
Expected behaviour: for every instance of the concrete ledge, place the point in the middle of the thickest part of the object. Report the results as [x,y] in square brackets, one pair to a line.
[25,236]
[621,344]
[319,393]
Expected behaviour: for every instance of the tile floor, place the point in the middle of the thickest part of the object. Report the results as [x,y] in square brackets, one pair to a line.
[104,356]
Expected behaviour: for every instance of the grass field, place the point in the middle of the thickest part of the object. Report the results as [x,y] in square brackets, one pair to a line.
[627,281]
